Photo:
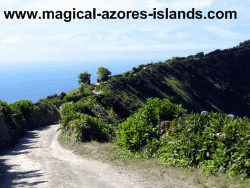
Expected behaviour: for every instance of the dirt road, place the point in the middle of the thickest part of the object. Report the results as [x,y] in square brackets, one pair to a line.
[39,161]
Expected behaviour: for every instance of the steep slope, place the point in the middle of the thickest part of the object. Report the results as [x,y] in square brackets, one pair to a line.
[217,81]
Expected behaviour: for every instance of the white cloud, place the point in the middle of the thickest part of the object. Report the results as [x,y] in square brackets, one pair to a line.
[12,50]
[193,3]
[16,39]
[57,37]
[13,39]
[182,46]
[163,36]
[242,12]
[223,32]
[9,3]
[113,36]
[152,4]
[2,18]
[181,35]
[156,47]
[82,36]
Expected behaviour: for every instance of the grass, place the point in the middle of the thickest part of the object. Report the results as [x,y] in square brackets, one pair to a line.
[76,91]
[150,169]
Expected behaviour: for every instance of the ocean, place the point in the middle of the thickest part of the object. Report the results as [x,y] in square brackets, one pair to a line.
[37,80]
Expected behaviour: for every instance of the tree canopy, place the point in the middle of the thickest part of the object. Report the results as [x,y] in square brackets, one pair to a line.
[103,74]
[84,77]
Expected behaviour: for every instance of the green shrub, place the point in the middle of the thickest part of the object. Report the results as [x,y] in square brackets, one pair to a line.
[140,128]
[113,116]
[126,74]
[89,101]
[51,96]
[74,98]
[23,112]
[62,95]
[53,101]
[71,107]
[5,111]
[86,128]
[214,142]
[56,101]
[48,114]
[86,88]
[67,118]
[102,87]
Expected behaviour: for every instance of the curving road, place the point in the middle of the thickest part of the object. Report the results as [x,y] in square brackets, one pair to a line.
[39,161]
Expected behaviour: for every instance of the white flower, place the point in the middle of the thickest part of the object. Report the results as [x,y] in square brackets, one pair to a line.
[204,112]
[231,116]
[223,135]
[218,134]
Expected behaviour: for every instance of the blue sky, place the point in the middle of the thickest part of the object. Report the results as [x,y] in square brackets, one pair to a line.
[56,40]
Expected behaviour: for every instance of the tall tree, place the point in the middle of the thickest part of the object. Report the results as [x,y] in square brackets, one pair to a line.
[84,77]
[103,74]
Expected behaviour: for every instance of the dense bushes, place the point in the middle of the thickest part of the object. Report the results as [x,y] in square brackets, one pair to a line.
[75,98]
[86,119]
[53,101]
[52,96]
[102,87]
[122,105]
[86,128]
[86,88]
[214,142]
[62,95]
[17,118]
[48,114]
[70,107]
[84,91]
[22,113]
[5,117]
[140,128]
[5,111]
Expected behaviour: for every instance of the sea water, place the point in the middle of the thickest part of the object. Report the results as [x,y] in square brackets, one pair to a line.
[37,80]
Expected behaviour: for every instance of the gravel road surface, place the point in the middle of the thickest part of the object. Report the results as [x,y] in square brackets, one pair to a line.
[39,161]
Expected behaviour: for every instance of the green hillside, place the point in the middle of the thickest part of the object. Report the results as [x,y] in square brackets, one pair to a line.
[217,81]
[153,111]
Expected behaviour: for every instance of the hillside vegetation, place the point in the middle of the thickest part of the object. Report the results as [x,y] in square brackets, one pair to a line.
[218,81]
[18,118]
[133,106]
[153,111]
